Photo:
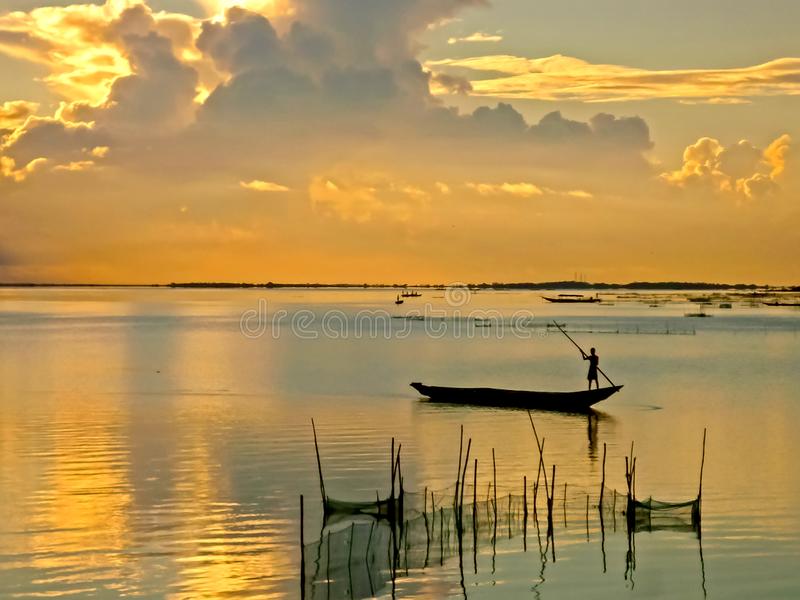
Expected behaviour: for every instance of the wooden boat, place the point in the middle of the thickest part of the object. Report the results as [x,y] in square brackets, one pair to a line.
[411,294]
[570,299]
[398,301]
[558,401]
[782,303]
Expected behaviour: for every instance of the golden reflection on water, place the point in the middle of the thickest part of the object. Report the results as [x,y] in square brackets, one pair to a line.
[73,483]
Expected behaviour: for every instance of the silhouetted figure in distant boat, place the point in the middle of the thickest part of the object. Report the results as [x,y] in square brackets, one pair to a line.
[594,360]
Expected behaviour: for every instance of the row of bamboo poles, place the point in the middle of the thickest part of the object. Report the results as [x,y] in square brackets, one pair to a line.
[545,477]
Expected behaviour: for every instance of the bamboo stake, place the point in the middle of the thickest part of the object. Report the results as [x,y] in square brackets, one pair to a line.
[391,495]
[302,554]
[603,480]
[319,464]
[702,464]
[475,498]
[628,477]
[494,479]
[539,445]
[525,497]
[463,483]
[509,516]
[402,489]
[550,497]
[587,517]
[458,470]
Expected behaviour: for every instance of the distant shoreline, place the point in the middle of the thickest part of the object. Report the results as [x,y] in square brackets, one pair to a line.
[545,285]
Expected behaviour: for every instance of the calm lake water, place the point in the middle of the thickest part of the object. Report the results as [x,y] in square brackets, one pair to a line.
[150,447]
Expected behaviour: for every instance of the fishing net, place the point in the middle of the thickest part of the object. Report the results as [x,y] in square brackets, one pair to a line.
[365,545]
[656,515]
[360,554]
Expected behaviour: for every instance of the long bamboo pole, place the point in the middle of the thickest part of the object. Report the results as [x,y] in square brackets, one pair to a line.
[319,463]
[583,353]
[540,446]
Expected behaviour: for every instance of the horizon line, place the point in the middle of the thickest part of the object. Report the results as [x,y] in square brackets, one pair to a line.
[554,284]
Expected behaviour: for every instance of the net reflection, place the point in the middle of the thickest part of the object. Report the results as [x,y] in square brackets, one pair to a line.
[364,556]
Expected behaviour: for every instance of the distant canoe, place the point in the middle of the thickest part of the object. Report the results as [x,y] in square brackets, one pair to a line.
[782,303]
[571,299]
[557,401]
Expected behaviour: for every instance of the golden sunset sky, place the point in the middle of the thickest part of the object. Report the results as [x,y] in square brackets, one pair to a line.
[399,140]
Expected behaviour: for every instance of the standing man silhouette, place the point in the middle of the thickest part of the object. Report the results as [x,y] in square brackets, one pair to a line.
[594,360]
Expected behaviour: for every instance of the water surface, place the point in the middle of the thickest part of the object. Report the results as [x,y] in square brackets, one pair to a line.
[149,448]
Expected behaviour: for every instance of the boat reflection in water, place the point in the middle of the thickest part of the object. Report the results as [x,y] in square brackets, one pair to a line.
[592,417]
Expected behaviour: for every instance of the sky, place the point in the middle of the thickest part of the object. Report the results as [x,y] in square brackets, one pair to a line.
[379,141]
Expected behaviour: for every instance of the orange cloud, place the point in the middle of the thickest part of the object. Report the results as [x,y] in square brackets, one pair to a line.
[14,113]
[740,168]
[522,189]
[567,78]
[274,9]
[71,42]
[9,170]
[364,196]
[257,185]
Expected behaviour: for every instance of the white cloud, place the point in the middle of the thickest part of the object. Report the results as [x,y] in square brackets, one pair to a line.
[257,185]
[522,189]
[478,36]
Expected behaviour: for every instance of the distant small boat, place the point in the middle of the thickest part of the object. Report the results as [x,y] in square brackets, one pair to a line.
[697,314]
[725,305]
[556,401]
[399,300]
[778,303]
[571,299]
[411,294]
